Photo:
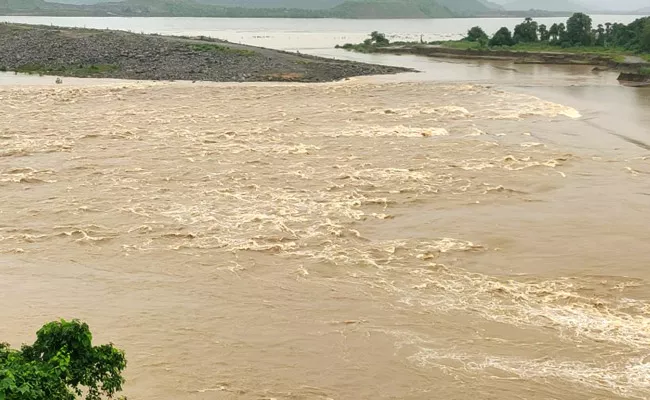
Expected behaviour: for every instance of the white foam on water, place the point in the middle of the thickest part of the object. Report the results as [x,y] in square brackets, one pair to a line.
[629,379]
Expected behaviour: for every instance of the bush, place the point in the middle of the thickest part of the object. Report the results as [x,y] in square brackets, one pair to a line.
[61,365]
[578,30]
[379,39]
[526,32]
[645,37]
[502,37]
[476,34]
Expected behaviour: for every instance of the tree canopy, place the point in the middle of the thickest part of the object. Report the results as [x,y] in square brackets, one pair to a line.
[503,37]
[526,32]
[578,31]
[645,37]
[61,365]
[476,34]
[379,38]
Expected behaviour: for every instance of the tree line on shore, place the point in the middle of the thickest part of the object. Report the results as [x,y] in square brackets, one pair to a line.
[577,32]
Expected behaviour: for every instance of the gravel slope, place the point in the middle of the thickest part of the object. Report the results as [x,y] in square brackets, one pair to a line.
[117,54]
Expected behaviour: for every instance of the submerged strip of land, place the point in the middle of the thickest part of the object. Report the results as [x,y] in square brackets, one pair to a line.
[76,52]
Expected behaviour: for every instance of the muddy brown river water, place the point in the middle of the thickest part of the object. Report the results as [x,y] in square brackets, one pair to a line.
[355,240]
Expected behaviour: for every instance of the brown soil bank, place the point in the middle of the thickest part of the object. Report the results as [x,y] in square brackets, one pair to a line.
[634,79]
[116,54]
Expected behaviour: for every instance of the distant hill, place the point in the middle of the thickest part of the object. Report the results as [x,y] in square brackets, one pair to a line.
[303,4]
[22,4]
[391,9]
[82,1]
[465,7]
[261,8]
[645,10]
[547,5]
[39,7]
[491,5]
[355,7]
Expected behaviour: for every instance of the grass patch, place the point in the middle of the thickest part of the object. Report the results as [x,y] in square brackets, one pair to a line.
[359,48]
[645,71]
[216,48]
[461,45]
[617,54]
[69,70]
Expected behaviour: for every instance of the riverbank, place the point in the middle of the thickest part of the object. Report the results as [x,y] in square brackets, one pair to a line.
[95,53]
[630,67]
[518,56]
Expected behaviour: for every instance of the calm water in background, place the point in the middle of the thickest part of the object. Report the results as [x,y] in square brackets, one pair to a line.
[476,230]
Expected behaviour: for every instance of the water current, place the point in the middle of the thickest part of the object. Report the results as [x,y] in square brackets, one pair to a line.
[384,237]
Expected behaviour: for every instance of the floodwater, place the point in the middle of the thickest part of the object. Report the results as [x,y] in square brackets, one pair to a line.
[378,238]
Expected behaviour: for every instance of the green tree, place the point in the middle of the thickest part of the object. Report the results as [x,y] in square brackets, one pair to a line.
[502,37]
[544,34]
[476,34]
[645,37]
[526,32]
[608,32]
[578,28]
[562,35]
[600,35]
[554,33]
[379,38]
[61,365]
[621,36]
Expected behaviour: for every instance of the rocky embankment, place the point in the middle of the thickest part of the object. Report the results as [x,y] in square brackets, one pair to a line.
[115,54]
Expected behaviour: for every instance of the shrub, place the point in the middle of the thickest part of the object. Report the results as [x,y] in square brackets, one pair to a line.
[61,365]
[476,34]
[502,37]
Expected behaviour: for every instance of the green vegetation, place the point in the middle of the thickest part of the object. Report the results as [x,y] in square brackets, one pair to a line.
[204,47]
[645,71]
[61,365]
[616,41]
[460,44]
[390,9]
[375,41]
[503,37]
[76,70]
[476,34]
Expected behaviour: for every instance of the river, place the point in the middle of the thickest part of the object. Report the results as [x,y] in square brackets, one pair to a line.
[476,230]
